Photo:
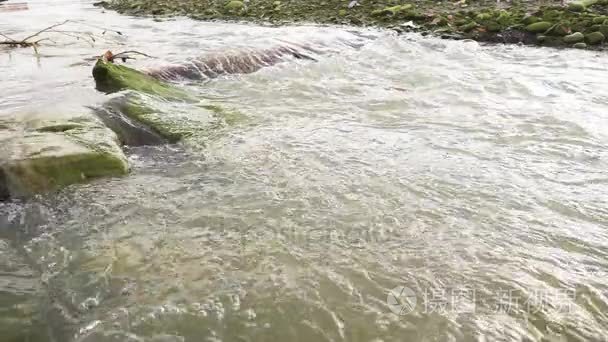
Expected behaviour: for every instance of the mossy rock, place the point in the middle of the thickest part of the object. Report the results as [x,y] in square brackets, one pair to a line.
[44,152]
[493,27]
[573,38]
[581,6]
[234,6]
[539,27]
[413,15]
[110,78]
[175,123]
[600,20]
[551,15]
[576,7]
[530,19]
[504,18]
[580,46]
[469,26]
[604,30]
[483,16]
[594,38]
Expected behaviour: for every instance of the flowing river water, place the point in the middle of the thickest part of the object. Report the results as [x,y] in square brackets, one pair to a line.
[398,188]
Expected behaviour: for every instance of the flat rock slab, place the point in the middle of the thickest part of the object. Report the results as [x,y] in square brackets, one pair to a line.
[41,152]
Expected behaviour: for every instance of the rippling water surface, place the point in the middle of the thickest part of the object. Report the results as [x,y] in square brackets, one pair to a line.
[472,181]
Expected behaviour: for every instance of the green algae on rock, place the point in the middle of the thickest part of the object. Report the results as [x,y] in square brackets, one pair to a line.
[44,152]
[539,27]
[594,38]
[133,106]
[234,6]
[110,77]
[576,37]
[173,121]
[580,6]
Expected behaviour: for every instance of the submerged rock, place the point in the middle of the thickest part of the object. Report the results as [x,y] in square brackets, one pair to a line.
[44,152]
[147,120]
[22,303]
[130,132]
[134,107]
[174,122]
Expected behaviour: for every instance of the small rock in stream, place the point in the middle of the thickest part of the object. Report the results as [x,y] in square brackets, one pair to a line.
[580,46]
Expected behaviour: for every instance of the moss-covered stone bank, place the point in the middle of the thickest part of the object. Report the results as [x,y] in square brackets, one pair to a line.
[41,152]
[544,23]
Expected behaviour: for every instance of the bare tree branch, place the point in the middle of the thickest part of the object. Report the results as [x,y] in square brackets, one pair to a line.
[28,41]
[7,37]
[46,29]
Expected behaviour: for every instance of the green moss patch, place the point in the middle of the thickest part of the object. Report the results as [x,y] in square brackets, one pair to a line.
[44,152]
[174,122]
[110,77]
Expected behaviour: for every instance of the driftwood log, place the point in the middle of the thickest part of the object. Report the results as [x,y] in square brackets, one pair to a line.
[242,62]
[111,77]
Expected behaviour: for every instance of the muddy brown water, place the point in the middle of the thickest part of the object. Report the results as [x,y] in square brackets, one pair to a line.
[399,188]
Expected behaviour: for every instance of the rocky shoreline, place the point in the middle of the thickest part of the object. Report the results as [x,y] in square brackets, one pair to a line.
[46,151]
[581,24]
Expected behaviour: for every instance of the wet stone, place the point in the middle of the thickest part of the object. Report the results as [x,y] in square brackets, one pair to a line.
[539,27]
[574,38]
[594,38]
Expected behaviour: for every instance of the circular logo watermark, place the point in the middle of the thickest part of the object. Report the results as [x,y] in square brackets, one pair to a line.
[401,300]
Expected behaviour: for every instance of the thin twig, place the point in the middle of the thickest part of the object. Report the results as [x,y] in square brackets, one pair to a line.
[131,51]
[43,39]
[78,37]
[7,37]
[100,28]
[88,37]
[46,29]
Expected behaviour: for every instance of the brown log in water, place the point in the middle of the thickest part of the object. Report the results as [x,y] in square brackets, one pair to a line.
[232,63]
